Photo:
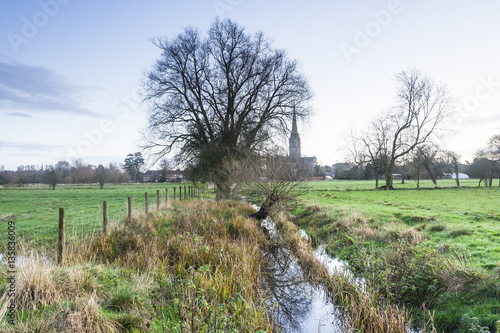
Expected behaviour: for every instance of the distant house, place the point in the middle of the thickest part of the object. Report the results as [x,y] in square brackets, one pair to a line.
[154,176]
[151,176]
[454,175]
[460,176]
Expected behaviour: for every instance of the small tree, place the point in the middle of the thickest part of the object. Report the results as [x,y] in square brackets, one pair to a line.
[272,179]
[482,168]
[102,175]
[494,148]
[50,176]
[56,174]
[453,160]
[165,166]
[63,170]
[432,161]
[133,165]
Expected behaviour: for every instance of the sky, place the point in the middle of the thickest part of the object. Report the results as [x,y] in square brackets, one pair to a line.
[70,70]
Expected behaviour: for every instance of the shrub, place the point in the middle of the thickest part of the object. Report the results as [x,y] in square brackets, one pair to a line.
[472,325]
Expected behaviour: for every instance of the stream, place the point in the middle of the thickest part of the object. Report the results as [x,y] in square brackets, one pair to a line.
[295,304]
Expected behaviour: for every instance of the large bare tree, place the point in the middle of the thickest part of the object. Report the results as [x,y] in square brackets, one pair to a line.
[421,108]
[218,96]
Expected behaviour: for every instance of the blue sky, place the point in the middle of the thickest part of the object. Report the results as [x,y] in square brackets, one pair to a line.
[70,69]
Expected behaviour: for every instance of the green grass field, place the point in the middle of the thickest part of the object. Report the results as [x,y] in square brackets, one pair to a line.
[467,218]
[35,208]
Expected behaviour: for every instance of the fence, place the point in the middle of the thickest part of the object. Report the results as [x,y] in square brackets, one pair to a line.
[77,224]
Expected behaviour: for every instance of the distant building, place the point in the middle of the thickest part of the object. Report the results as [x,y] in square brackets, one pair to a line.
[454,175]
[154,176]
[294,141]
[294,147]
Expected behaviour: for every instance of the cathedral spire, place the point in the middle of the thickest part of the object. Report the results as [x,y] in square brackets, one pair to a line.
[294,142]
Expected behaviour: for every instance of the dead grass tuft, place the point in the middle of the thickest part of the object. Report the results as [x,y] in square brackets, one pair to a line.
[82,316]
[459,276]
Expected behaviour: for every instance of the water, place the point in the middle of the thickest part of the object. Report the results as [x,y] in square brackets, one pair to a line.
[296,305]
[336,266]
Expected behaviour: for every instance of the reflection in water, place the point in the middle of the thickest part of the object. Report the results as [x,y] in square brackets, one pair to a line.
[296,305]
[288,299]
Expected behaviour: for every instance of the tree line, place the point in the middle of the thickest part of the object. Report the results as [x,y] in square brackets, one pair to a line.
[78,172]
[428,161]
[64,172]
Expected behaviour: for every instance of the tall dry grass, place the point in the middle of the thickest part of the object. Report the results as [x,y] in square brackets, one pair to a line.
[57,298]
[205,258]
[193,267]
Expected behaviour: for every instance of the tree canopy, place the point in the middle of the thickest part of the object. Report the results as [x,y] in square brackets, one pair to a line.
[133,164]
[217,96]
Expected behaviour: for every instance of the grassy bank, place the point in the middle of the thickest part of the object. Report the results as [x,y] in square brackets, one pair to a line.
[194,267]
[438,248]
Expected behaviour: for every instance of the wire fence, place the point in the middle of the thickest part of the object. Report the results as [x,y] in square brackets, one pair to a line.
[43,231]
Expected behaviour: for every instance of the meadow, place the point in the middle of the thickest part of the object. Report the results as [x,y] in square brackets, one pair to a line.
[467,218]
[35,208]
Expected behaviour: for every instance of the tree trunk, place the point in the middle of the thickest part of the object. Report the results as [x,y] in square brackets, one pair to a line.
[426,166]
[402,179]
[264,210]
[456,174]
[376,181]
[388,181]
[222,189]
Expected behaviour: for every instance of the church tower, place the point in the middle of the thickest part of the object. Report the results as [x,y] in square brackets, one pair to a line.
[294,142]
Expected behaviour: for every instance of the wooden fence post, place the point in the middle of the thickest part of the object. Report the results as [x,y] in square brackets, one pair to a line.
[166,196]
[180,192]
[129,204]
[105,217]
[157,199]
[185,192]
[146,200]
[62,240]
[174,192]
